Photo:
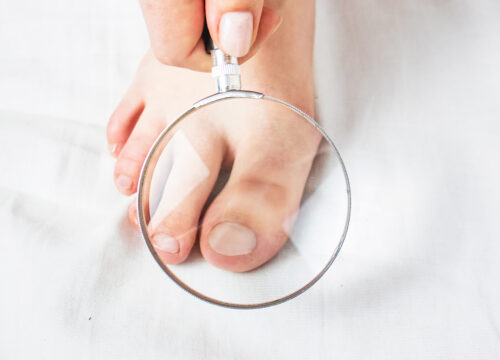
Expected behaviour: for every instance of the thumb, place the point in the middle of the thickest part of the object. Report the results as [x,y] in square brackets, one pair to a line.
[236,25]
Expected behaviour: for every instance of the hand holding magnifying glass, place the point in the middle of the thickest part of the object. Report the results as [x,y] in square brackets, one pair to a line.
[238,27]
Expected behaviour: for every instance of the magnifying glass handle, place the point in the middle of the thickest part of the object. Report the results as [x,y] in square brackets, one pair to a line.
[225,70]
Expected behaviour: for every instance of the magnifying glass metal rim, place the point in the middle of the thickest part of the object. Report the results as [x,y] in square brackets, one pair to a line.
[143,197]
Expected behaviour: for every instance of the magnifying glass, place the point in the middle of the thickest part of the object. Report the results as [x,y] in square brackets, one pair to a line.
[299,233]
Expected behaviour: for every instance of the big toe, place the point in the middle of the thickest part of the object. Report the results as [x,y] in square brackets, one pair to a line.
[252,218]
[243,227]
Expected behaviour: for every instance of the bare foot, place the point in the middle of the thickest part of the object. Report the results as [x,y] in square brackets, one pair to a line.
[248,222]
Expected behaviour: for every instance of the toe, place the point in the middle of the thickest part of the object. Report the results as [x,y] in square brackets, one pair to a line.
[251,219]
[195,163]
[133,153]
[244,227]
[123,120]
[132,215]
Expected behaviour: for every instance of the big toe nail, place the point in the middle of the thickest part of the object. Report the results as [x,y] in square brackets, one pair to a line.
[232,239]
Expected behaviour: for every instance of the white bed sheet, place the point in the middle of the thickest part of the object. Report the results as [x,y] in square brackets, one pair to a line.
[408,90]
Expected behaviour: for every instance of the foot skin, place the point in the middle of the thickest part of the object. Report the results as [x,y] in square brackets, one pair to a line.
[248,222]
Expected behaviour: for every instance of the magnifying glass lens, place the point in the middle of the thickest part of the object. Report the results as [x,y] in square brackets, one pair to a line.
[244,202]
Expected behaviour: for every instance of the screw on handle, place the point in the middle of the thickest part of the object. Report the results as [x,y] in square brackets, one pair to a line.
[225,70]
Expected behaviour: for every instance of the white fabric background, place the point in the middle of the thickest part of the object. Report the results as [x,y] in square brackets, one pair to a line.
[410,91]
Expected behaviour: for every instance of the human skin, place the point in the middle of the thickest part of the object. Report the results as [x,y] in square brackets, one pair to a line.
[239,27]
[237,232]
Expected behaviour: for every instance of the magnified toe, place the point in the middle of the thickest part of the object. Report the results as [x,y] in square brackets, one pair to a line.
[190,169]
[247,224]
[251,219]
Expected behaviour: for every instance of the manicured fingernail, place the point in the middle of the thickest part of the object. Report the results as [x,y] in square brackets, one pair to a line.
[124,182]
[113,149]
[235,32]
[166,243]
[232,239]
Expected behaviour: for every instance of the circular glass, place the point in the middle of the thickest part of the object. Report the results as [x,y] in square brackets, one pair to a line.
[249,196]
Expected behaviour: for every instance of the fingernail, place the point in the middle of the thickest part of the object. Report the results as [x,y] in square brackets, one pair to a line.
[124,182]
[235,32]
[166,243]
[232,239]
[112,149]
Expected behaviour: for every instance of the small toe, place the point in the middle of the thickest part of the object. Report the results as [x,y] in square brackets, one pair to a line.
[132,215]
[135,150]
[123,120]
[196,162]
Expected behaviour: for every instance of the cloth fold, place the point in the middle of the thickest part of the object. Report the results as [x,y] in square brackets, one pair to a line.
[409,93]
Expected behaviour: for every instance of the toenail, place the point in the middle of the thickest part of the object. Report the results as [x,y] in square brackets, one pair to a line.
[124,182]
[166,243]
[113,148]
[232,239]
[135,221]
